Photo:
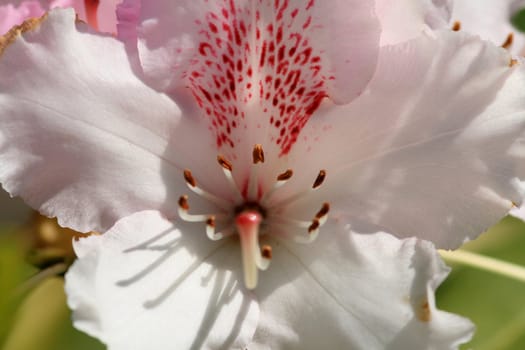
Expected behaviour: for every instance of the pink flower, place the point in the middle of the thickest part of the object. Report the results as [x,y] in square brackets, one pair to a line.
[245,158]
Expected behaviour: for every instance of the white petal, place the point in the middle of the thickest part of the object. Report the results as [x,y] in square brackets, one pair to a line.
[353,291]
[81,137]
[146,285]
[519,212]
[435,148]
[403,20]
[491,20]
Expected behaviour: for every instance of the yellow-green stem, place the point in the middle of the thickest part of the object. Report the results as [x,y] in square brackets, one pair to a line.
[485,263]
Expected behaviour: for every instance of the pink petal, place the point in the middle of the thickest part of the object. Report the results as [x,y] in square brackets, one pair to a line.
[260,68]
[11,15]
[128,15]
[84,142]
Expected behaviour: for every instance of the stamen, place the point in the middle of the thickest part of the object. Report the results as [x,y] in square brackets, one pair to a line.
[281,180]
[287,175]
[317,183]
[322,214]
[224,163]
[320,179]
[192,185]
[456,26]
[508,42]
[320,217]
[314,226]
[247,224]
[210,230]
[266,252]
[265,257]
[184,207]
[190,180]
[227,169]
[258,157]
[258,154]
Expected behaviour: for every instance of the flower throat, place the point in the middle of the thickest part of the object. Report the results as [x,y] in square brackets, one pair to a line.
[248,214]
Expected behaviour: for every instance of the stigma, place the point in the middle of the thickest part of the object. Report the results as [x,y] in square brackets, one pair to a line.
[250,213]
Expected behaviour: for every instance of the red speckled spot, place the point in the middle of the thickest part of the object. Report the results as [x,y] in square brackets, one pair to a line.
[258,62]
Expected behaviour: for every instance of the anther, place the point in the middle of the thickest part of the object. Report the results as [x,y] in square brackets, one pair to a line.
[317,183]
[320,179]
[513,62]
[281,180]
[456,26]
[287,175]
[323,211]
[265,257]
[224,163]
[192,185]
[266,252]
[184,207]
[183,203]
[508,42]
[190,180]
[314,226]
[258,154]
[210,229]
[227,169]
[258,157]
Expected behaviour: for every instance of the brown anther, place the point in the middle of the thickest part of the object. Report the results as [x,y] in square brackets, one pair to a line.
[285,176]
[323,211]
[189,178]
[314,226]
[258,154]
[320,179]
[456,26]
[211,221]
[266,251]
[224,163]
[513,62]
[183,202]
[508,42]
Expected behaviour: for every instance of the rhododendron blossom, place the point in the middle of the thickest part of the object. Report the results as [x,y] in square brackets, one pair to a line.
[260,168]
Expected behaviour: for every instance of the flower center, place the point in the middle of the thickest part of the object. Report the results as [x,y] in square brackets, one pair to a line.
[250,214]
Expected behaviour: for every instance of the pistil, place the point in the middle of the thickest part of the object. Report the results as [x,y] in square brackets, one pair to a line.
[247,224]
[253,209]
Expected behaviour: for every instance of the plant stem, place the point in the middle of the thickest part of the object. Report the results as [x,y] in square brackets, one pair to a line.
[484,263]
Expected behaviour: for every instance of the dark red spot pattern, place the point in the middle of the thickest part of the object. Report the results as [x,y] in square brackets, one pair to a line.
[258,62]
